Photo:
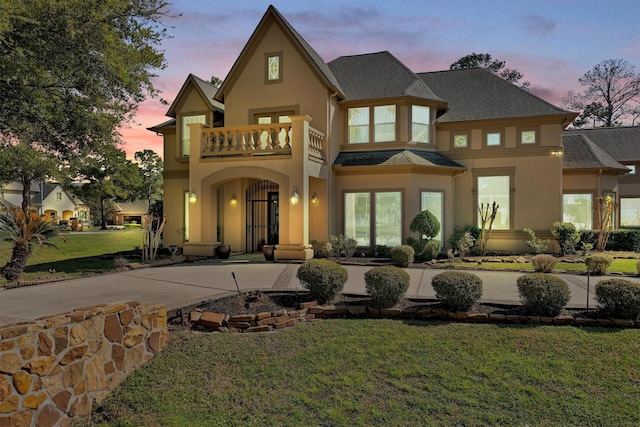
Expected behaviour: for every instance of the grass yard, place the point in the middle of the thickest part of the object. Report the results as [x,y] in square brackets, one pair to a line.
[386,373]
[79,256]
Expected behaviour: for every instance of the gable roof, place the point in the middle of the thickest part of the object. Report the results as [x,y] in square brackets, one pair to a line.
[378,75]
[137,206]
[621,143]
[204,88]
[313,58]
[478,94]
[394,157]
[580,152]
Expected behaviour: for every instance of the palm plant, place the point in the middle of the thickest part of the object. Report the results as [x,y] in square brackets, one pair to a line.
[25,231]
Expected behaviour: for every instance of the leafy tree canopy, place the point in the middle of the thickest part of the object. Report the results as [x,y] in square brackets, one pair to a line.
[484,60]
[611,96]
[151,166]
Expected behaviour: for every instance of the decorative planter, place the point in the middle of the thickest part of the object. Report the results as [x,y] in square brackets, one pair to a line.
[268,250]
[223,251]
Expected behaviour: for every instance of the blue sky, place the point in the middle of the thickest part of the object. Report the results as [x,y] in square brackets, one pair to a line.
[552,42]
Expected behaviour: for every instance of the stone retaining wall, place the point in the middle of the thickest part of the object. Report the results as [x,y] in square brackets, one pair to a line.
[311,311]
[54,368]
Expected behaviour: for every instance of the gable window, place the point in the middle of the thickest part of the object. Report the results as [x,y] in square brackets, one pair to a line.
[630,212]
[460,141]
[527,137]
[494,139]
[386,212]
[420,123]
[273,67]
[577,209]
[433,202]
[496,189]
[384,117]
[358,125]
[58,196]
[186,134]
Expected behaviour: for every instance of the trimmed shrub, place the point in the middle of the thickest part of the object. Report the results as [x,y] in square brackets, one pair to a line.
[543,294]
[598,264]
[544,263]
[323,278]
[342,245]
[566,235]
[538,246]
[458,290]
[619,298]
[425,224]
[460,241]
[386,285]
[402,256]
[321,249]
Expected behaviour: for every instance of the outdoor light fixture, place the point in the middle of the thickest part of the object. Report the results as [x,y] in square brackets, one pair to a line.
[295,197]
[557,153]
[314,199]
[193,197]
[234,200]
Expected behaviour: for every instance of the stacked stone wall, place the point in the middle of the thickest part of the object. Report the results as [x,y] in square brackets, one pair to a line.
[54,369]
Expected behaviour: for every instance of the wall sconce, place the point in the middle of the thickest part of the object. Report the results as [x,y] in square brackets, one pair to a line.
[234,200]
[193,197]
[295,197]
[314,199]
[557,153]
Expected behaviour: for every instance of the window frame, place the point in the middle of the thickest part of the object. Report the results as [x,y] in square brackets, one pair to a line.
[440,218]
[412,122]
[467,135]
[375,123]
[185,222]
[485,137]
[590,209]
[184,127]
[536,133]
[371,125]
[267,58]
[495,172]
[373,226]
[637,213]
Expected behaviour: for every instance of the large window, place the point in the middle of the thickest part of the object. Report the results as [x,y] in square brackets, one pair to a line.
[577,209]
[358,125]
[630,212]
[433,202]
[386,212]
[419,123]
[496,189]
[384,117]
[186,135]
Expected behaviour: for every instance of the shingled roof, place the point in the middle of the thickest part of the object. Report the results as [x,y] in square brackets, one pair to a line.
[378,75]
[478,94]
[394,157]
[580,152]
[621,143]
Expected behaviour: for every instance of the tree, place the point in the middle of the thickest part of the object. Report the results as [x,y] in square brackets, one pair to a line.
[611,97]
[427,226]
[216,81]
[484,60]
[151,166]
[72,71]
[26,164]
[25,230]
[107,175]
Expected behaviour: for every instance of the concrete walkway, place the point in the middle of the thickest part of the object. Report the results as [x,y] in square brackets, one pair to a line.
[185,284]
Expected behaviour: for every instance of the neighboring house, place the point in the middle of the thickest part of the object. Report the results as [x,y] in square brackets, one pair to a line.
[130,212]
[47,198]
[292,149]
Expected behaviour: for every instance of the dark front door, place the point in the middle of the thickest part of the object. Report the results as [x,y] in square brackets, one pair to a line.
[262,215]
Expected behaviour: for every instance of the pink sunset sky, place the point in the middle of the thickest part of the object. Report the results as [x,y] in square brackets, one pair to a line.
[552,42]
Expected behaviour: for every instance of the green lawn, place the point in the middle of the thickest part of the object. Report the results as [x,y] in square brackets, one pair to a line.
[386,373]
[79,256]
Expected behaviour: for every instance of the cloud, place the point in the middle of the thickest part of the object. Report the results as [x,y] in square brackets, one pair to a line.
[539,24]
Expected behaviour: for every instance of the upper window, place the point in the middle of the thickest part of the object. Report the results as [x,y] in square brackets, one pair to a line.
[632,169]
[496,189]
[494,139]
[528,137]
[273,67]
[358,125]
[460,141]
[420,123]
[577,209]
[186,134]
[384,117]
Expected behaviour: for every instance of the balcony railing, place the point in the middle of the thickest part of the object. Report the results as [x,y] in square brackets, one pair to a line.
[258,140]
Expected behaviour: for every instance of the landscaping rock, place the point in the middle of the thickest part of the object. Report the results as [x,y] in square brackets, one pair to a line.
[211,320]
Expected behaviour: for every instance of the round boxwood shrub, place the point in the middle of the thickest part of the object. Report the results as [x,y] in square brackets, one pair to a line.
[386,285]
[458,290]
[323,278]
[544,263]
[619,298]
[598,264]
[402,256]
[543,294]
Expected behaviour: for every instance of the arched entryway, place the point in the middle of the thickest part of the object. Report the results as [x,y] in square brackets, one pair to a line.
[263,215]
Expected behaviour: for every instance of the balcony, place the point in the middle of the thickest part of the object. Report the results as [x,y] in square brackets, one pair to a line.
[260,140]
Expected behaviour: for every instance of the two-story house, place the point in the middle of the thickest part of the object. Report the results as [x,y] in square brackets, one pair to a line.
[291,149]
